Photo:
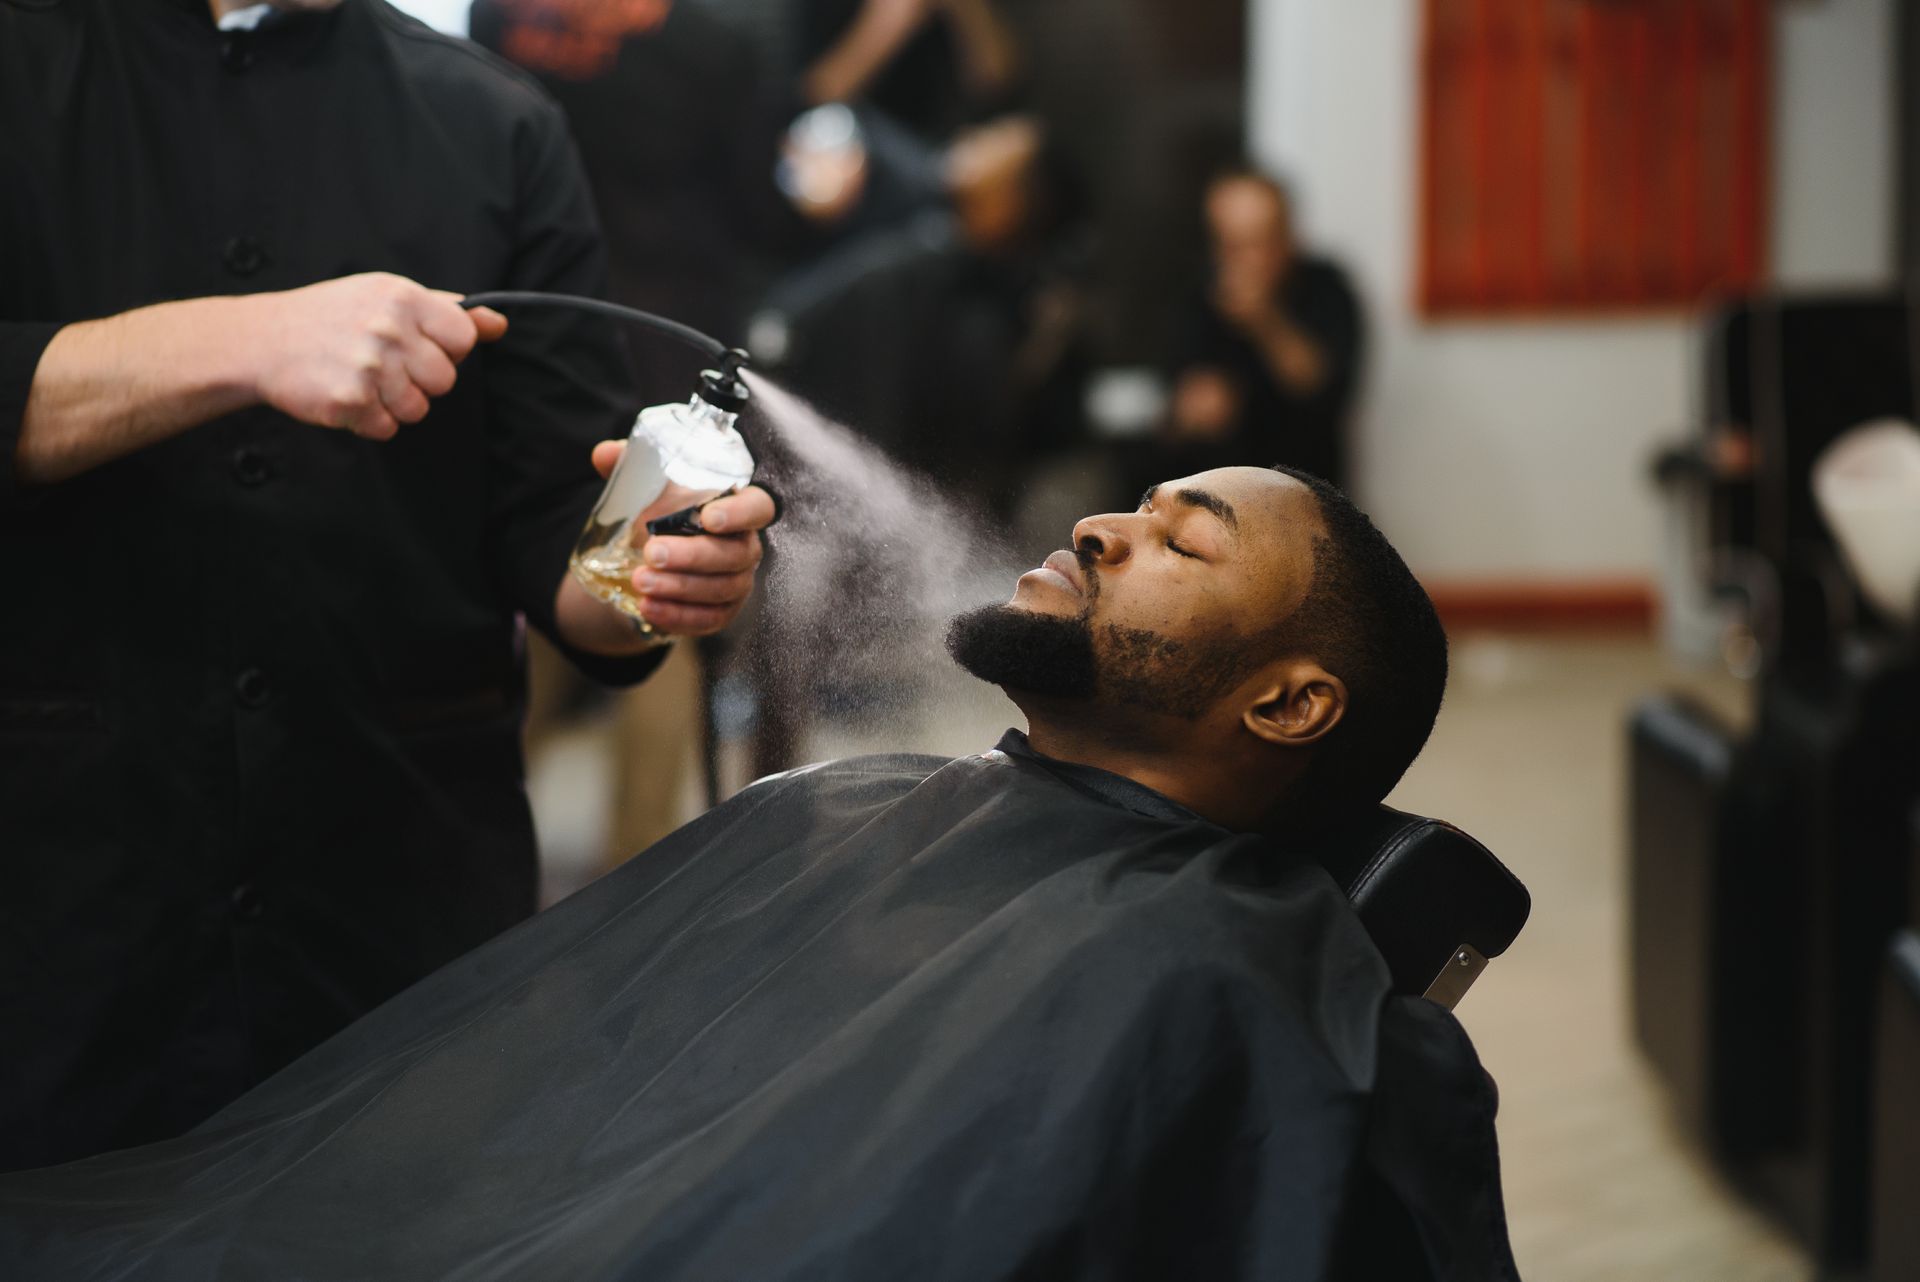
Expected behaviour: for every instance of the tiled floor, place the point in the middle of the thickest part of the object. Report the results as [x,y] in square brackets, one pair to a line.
[1529,756]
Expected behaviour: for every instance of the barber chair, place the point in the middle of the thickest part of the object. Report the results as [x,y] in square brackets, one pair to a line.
[1437,903]
[1768,869]
[1895,1240]
[1791,373]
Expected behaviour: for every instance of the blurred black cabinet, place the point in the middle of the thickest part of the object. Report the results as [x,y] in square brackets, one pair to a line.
[1768,875]
[1896,1130]
[1708,905]
[1770,869]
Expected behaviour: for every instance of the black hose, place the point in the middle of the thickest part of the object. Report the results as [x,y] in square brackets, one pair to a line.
[685,333]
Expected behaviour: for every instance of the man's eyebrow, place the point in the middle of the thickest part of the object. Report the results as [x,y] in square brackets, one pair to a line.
[1204,499]
[1211,502]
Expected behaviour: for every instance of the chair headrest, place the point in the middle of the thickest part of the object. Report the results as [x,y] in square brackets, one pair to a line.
[1425,891]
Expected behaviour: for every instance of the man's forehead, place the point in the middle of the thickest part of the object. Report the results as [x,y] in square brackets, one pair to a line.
[1255,500]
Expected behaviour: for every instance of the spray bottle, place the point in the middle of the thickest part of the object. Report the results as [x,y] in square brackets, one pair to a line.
[678,456]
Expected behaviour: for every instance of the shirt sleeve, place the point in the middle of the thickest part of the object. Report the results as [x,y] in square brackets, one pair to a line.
[555,386]
[21,346]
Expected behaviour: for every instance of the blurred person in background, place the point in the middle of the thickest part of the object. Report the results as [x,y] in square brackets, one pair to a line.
[271,531]
[677,120]
[946,326]
[1266,367]
[932,65]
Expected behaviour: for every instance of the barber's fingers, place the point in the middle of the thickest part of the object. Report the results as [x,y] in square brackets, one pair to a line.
[352,401]
[406,402]
[694,589]
[702,553]
[750,509]
[455,328]
[363,413]
[427,365]
[681,620]
[606,455]
[490,323]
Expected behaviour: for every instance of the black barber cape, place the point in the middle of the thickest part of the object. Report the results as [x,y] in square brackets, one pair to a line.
[895,1017]
[260,684]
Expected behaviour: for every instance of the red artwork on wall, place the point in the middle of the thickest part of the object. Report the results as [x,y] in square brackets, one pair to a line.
[1583,155]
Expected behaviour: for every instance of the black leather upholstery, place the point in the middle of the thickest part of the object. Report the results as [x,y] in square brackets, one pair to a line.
[1896,1129]
[1423,888]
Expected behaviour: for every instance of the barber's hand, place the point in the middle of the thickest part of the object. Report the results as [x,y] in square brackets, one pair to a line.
[364,353]
[694,585]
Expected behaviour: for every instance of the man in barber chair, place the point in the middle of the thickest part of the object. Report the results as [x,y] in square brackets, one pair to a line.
[1065,1009]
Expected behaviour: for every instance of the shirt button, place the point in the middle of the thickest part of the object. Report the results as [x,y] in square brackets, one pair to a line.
[246,902]
[236,53]
[252,688]
[249,468]
[244,255]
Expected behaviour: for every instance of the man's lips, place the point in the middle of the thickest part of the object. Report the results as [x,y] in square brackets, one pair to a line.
[1065,566]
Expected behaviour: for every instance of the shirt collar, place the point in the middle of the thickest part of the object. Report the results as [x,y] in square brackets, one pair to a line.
[1103,785]
[257,17]
[248,19]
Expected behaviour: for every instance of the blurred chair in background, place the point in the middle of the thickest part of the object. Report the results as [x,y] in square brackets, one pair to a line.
[1770,866]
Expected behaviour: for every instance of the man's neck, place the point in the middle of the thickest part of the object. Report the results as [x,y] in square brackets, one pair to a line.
[1171,764]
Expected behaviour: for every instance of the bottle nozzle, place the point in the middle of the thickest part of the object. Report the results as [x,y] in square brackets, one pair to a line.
[722,388]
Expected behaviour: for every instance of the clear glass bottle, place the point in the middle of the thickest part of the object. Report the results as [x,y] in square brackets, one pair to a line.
[677,456]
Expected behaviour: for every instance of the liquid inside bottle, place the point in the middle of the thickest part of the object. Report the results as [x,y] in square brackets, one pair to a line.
[677,456]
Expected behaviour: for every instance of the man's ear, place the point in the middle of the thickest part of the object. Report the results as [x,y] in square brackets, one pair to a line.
[1301,702]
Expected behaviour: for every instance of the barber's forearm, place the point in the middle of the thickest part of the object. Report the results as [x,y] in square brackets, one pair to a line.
[106,388]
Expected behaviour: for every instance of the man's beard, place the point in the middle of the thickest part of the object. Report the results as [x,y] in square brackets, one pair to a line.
[1056,657]
[1016,649]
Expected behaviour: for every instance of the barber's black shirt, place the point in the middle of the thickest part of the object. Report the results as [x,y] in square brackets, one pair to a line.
[260,684]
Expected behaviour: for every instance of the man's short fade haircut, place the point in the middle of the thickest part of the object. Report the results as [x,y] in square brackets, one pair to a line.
[1368,621]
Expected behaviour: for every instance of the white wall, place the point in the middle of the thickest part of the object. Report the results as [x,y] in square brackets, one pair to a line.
[1834,138]
[1518,450]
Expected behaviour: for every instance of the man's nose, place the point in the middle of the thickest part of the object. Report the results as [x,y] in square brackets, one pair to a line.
[1103,538]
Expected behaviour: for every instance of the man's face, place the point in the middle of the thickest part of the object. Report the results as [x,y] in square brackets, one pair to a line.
[1166,608]
[1252,234]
